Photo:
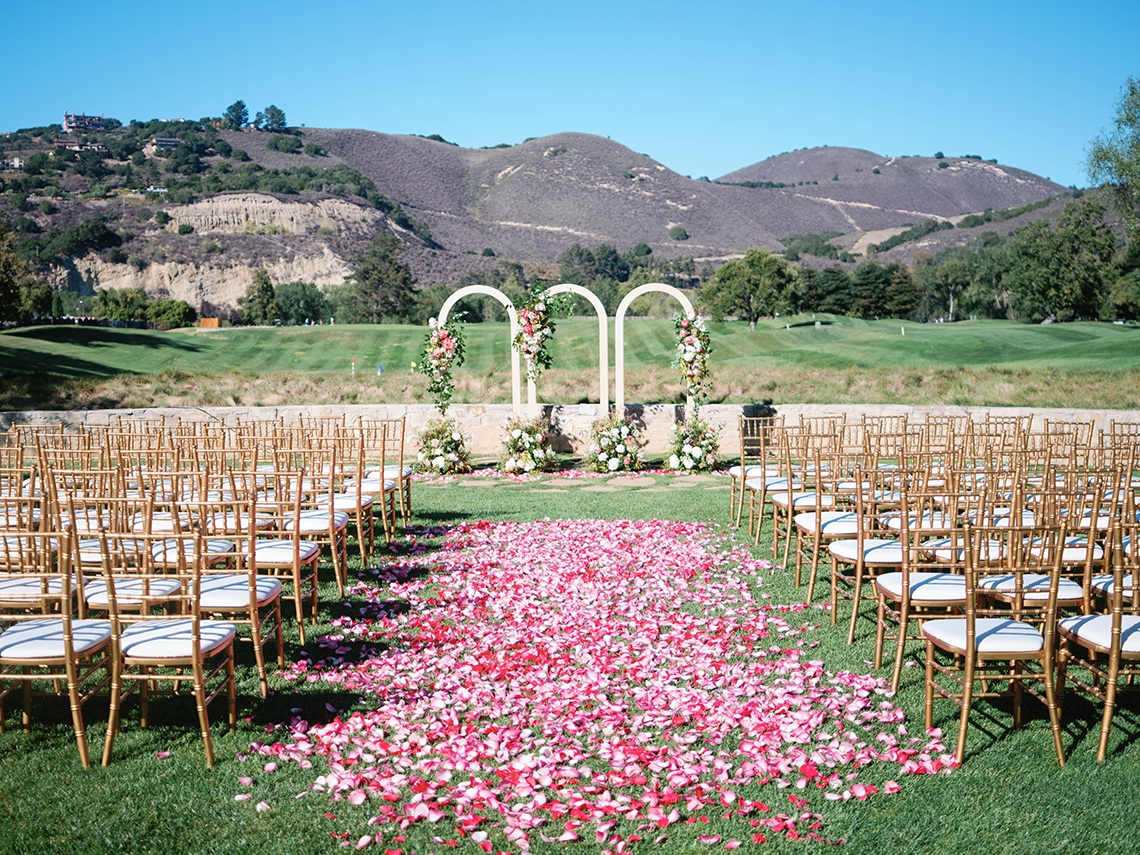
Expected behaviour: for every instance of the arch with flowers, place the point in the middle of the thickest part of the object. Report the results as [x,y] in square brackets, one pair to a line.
[516,368]
[619,338]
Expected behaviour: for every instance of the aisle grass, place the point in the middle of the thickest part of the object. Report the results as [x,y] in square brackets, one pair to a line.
[1010,796]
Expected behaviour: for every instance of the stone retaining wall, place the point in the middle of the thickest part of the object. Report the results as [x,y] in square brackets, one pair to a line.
[571,423]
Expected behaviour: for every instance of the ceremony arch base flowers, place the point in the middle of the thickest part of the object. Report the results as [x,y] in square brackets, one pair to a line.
[527,447]
[443,448]
[694,447]
[616,445]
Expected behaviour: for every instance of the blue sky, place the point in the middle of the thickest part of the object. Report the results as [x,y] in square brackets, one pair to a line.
[704,88]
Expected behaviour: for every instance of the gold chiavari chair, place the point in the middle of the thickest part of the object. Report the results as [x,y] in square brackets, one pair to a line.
[280,549]
[45,649]
[1004,645]
[155,644]
[759,456]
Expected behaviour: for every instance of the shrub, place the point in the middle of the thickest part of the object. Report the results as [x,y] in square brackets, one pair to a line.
[162,218]
[211,246]
[488,252]
[615,445]
[678,233]
[185,229]
[115,255]
[526,446]
[943,165]
[284,143]
[314,150]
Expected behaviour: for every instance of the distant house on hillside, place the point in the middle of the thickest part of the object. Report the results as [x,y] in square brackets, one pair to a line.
[79,145]
[82,122]
[14,163]
[165,142]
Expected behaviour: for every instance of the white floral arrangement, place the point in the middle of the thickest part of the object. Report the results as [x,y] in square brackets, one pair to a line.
[616,445]
[526,446]
[695,446]
[442,448]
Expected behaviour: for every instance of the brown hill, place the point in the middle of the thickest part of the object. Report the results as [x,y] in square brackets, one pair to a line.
[535,199]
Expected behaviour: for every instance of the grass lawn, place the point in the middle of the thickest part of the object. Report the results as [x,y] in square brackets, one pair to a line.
[789,360]
[1010,795]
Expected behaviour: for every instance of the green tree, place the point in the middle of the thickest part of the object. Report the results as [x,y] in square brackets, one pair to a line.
[1113,159]
[751,287]
[1062,269]
[236,116]
[300,302]
[270,119]
[120,304]
[14,274]
[259,305]
[171,314]
[385,289]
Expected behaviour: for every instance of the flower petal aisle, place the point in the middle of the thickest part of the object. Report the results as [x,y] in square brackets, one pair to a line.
[602,681]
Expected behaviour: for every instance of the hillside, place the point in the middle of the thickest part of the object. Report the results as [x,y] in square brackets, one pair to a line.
[528,202]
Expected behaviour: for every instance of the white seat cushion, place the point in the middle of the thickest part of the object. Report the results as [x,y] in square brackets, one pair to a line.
[228,522]
[754,471]
[770,484]
[831,523]
[930,520]
[993,635]
[160,522]
[1097,629]
[347,502]
[1076,548]
[803,500]
[374,486]
[167,551]
[170,639]
[89,550]
[925,586]
[129,590]
[231,591]
[942,549]
[13,588]
[43,638]
[317,521]
[883,552]
[1105,584]
[1034,585]
[390,471]
[281,551]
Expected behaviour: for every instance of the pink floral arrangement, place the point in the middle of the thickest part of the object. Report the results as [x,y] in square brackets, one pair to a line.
[692,357]
[536,327]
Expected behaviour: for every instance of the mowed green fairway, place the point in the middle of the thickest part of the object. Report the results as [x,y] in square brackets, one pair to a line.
[838,342]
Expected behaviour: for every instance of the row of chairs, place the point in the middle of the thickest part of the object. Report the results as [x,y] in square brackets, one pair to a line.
[890,506]
[133,554]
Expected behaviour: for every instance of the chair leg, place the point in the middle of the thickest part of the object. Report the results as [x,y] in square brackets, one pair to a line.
[113,716]
[1109,707]
[967,699]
